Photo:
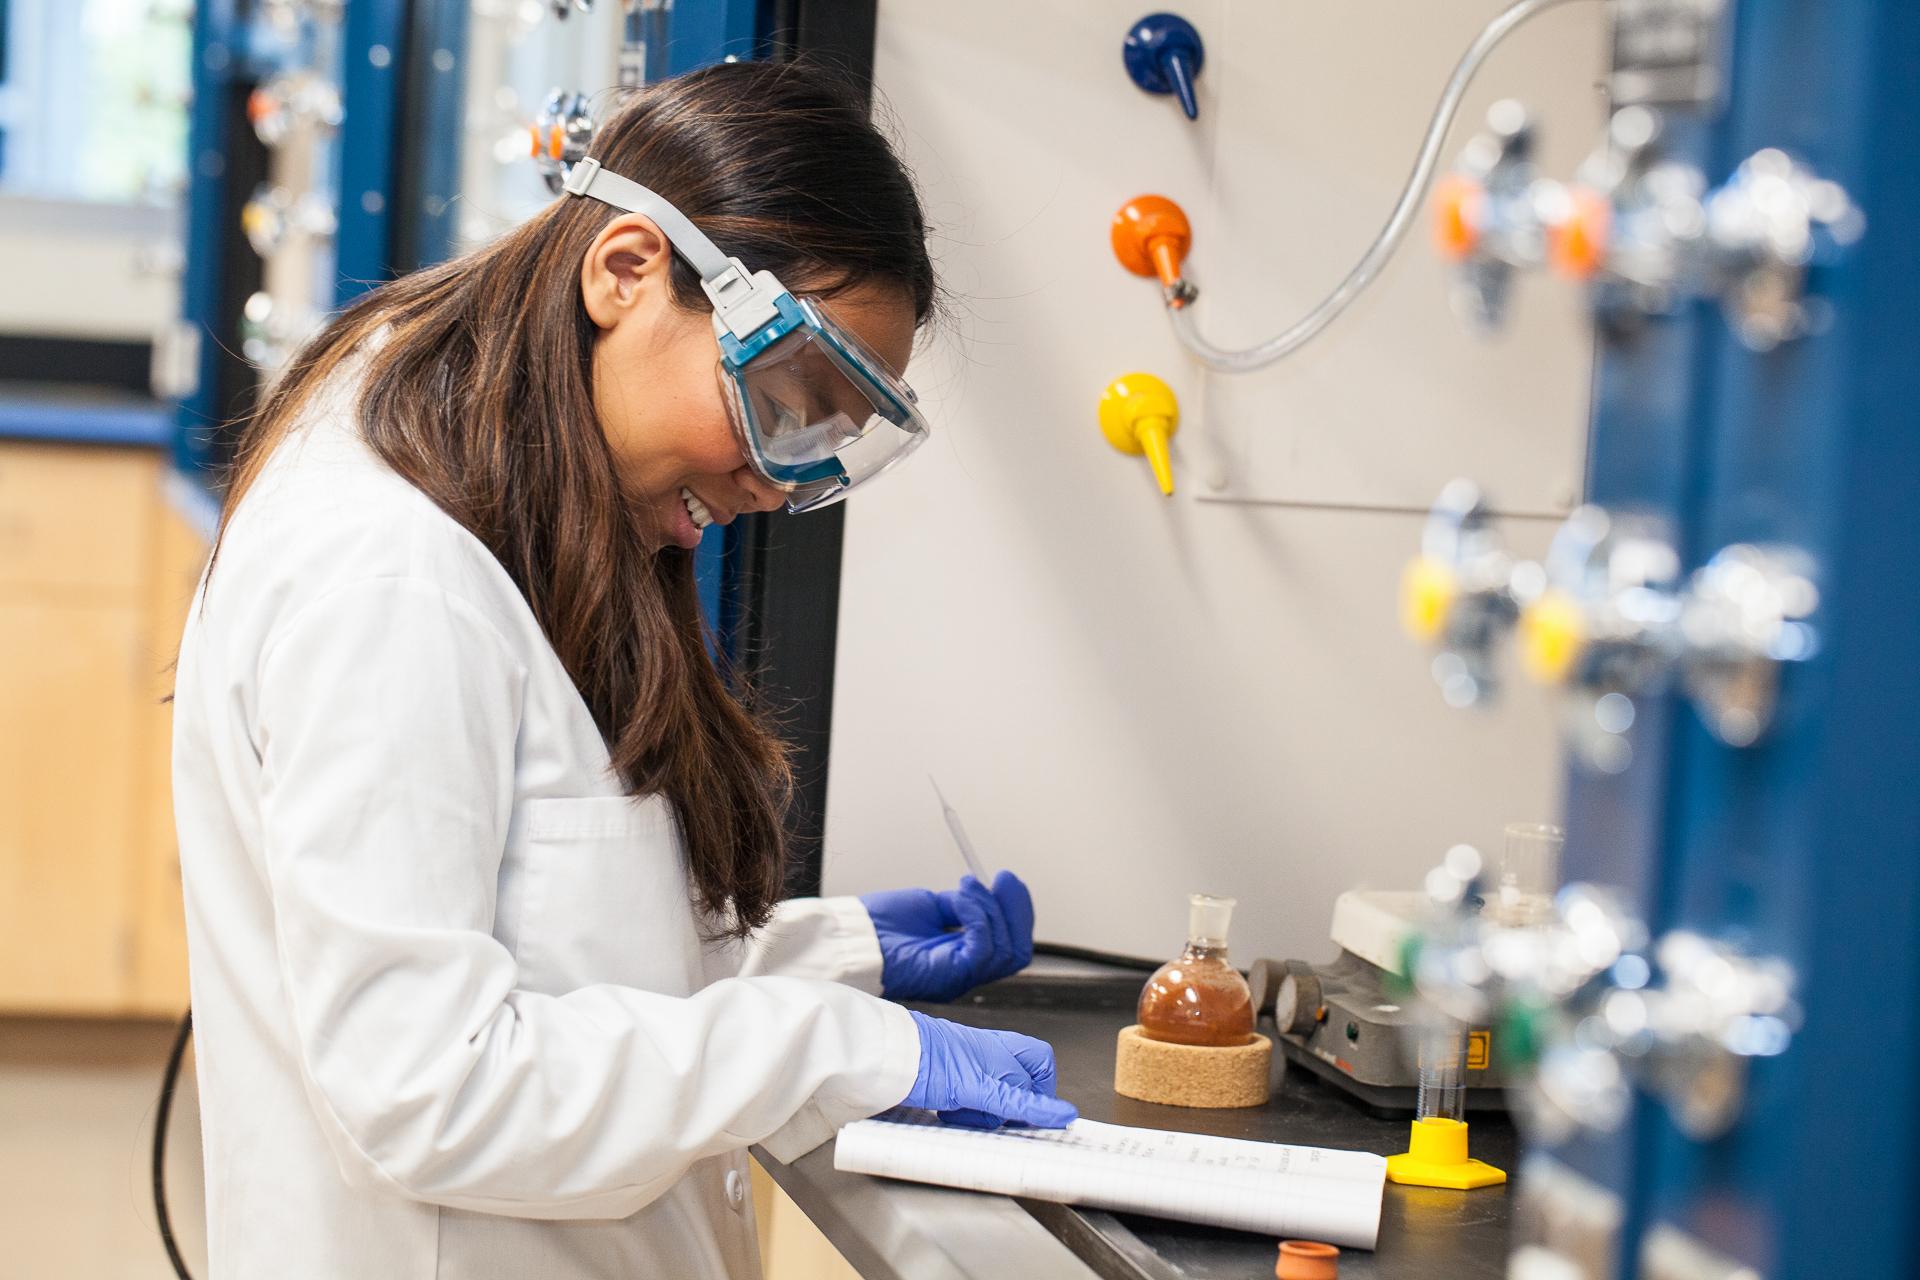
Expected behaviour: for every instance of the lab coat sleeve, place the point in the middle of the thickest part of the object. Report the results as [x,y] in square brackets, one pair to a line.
[386,719]
[829,938]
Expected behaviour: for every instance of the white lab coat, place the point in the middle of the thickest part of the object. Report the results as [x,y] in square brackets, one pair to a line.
[455,1017]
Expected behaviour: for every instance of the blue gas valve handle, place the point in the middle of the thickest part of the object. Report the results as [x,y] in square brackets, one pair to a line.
[1163,54]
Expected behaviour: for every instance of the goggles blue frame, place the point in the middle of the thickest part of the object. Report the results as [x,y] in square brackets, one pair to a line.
[752,313]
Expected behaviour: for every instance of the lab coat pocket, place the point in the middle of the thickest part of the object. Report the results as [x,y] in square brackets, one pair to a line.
[603,896]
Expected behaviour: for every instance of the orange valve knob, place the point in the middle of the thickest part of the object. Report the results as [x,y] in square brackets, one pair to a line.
[1577,242]
[1459,205]
[1151,237]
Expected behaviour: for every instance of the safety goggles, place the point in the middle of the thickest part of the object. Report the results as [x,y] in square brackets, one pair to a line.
[817,413]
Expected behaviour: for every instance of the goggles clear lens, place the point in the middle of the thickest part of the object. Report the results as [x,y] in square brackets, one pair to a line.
[817,413]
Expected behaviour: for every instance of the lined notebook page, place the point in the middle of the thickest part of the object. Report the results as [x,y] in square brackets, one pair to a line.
[1223,1182]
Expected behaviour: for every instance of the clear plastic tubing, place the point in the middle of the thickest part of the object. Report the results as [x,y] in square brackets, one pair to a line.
[1383,246]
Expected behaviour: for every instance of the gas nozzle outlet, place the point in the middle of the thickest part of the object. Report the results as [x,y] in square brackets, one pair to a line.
[560,136]
[1617,624]
[1461,595]
[1589,1011]
[1151,236]
[1486,219]
[1642,232]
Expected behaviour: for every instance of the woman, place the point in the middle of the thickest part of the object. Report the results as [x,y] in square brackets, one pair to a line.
[481,857]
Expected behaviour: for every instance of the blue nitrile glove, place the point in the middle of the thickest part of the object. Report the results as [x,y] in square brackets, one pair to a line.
[982,1079]
[937,946]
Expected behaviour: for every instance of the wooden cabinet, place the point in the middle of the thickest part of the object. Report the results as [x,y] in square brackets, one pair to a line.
[791,1247]
[96,569]
[76,521]
[159,925]
[68,764]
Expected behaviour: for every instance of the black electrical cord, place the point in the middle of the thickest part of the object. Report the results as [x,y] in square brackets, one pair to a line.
[168,1080]
[1066,951]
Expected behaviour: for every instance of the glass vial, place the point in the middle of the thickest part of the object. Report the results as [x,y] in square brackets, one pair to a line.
[1199,998]
[1443,1076]
[1526,875]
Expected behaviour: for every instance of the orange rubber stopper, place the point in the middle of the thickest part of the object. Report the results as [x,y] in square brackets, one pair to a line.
[1151,237]
[557,141]
[1577,243]
[1457,204]
[533,133]
[1307,1260]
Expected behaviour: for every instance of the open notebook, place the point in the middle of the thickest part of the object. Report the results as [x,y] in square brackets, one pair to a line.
[1224,1182]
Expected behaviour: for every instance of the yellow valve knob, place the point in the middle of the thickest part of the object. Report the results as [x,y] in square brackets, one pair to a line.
[1138,415]
[1427,589]
[1552,634]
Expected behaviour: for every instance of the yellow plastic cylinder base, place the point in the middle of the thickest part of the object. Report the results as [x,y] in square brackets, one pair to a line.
[1138,415]
[1436,1156]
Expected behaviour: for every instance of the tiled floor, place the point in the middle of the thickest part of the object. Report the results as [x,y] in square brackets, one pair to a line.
[76,1132]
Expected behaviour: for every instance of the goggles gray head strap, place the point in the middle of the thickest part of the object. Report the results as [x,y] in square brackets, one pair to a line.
[742,301]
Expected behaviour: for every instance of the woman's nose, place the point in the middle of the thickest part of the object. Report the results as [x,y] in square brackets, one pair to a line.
[760,496]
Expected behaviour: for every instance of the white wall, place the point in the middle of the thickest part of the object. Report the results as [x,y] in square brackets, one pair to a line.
[1130,697]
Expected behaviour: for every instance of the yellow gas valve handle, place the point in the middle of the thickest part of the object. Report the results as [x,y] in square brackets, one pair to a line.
[1427,590]
[1552,634]
[1138,415]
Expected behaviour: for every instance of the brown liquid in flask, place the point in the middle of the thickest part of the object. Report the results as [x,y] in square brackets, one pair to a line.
[1199,998]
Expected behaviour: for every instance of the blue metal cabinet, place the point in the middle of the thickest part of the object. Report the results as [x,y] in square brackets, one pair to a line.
[1805,846]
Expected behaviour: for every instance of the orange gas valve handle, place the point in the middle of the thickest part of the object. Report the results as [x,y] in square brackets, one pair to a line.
[1577,243]
[1459,204]
[1151,237]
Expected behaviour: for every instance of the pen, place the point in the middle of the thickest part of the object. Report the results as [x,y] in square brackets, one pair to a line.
[959,835]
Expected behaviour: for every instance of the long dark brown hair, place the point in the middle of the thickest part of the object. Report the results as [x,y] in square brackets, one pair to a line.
[481,396]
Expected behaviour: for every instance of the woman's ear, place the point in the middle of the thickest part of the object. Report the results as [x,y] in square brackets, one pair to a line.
[626,269]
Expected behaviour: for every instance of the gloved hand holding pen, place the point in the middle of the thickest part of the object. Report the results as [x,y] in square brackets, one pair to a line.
[938,946]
